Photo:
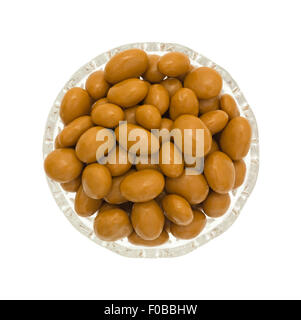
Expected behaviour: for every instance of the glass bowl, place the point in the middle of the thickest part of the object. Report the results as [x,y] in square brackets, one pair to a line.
[173,247]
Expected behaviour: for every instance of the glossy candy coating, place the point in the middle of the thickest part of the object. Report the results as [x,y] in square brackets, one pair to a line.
[112,224]
[236,138]
[147,220]
[62,165]
[191,230]
[142,186]
[127,64]
[205,82]
[76,103]
[219,172]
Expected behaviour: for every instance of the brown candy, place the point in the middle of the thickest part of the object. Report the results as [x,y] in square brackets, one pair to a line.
[172,85]
[193,188]
[171,160]
[142,186]
[114,196]
[130,115]
[184,101]
[147,138]
[72,132]
[96,180]
[177,209]
[229,105]
[240,172]
[85,206]
[88,144]
[215,121]
[96,85]
[148,116]
[127,64]
[147,220]
[118,162]
[138,241]
[62,165]
[152,73]
[187,121]
[107,115]
[73,185]
[236,138]
[174,64]
[128,93]
[191,230]
[219,172]
[216,204]
[112,225]
[76,103]
[205,82]
[158,96]
[207,105]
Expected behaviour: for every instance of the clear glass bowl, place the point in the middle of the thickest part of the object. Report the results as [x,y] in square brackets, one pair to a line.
[173,247]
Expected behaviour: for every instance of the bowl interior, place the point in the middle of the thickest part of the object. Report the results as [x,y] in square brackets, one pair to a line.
[173,247]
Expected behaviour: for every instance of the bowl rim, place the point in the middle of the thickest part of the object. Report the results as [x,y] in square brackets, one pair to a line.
[242,193]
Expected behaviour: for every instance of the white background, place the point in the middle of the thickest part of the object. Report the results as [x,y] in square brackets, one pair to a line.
[43,43]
